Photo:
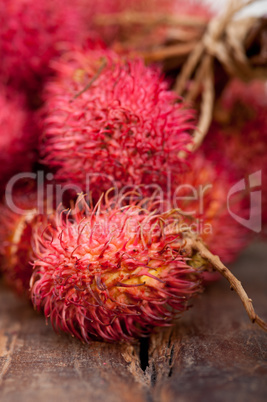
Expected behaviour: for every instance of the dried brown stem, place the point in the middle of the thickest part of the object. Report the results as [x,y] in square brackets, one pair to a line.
[189,67]
[200,62]
[142,18]
[206,110]
[197,245]
[184,34]
[166,52]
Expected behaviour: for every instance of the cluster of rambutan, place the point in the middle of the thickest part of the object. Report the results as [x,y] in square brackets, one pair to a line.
[104,122]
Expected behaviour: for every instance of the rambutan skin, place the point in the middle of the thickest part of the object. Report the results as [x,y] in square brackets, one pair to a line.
[15,240]
[238,135]
[113,274]
[32,33]
[113,121]
[18,136]
[202,192]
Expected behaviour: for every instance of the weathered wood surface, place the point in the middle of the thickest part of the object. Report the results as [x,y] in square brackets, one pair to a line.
[213,354]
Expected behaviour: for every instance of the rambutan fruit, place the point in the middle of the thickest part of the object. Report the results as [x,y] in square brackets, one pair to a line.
[202,192]
[111,121]
[239,133]
[112,273]
[18,136]
[32,33]
[16,223]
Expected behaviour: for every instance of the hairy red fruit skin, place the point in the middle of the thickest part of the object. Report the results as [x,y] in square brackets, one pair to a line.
[127,128]
[239,133]
[15,239]
[207,204]
[15,264]
[18,136]
[202,192]
[112,275]
[32,33]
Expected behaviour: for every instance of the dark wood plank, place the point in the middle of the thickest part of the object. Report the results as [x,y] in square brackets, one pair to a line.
[213,353]
[38,365]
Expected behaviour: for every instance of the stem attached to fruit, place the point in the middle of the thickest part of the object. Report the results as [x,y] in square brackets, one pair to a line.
[196,245]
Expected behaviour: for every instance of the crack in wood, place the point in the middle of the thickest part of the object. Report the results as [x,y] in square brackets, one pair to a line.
[153,376]
[8,353]
[131,355]
[163,351]
[155,359]
[143,355]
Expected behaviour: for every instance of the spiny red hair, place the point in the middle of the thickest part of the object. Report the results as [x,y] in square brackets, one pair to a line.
[203,192]
[111,274]
[112,121]
[18,136]
[32,33]
[15,238]
[238,135]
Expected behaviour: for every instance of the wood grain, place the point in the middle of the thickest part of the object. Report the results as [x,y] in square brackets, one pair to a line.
[213,353]
[38,365]
[216,354]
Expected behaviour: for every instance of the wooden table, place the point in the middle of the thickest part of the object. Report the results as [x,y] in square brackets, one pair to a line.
[213,354]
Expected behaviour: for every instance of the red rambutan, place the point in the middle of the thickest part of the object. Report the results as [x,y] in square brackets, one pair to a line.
[239,134]
[203,193]
[111,121]
[31,34]
[111,274]
[18,136]
[19,215]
